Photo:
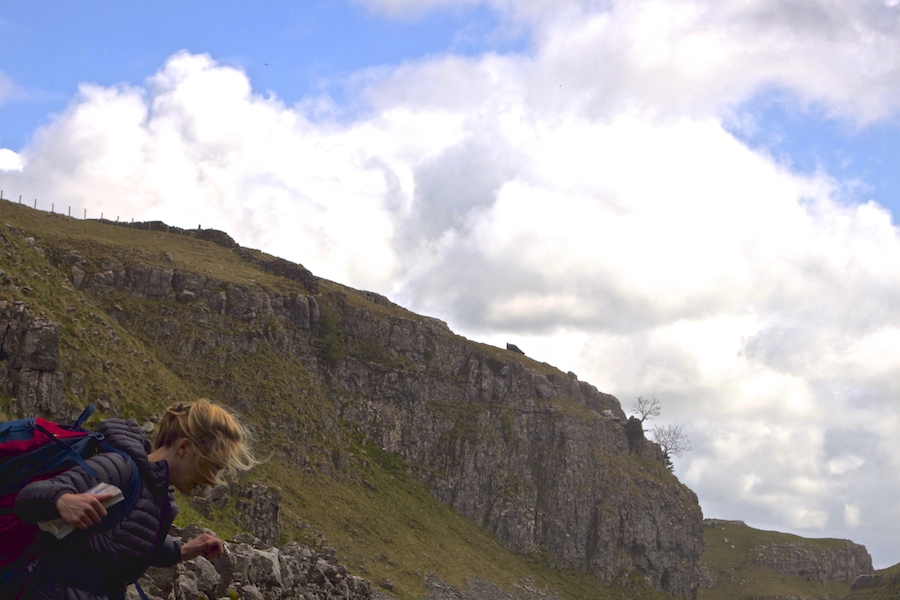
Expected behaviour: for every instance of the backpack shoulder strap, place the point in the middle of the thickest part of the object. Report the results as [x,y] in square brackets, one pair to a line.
[87,412]
[132,488]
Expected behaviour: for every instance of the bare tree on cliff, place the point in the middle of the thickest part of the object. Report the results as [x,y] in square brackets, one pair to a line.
[671,439]
[645,408]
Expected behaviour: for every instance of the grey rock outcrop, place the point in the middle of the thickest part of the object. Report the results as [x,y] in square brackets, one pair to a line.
[29,356]
[250,569]
[814,563]
[245,302]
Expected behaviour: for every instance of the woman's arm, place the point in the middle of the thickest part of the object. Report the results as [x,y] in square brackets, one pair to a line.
[64,495]
[167,554]
[172,551]
[82,510]
[204,544]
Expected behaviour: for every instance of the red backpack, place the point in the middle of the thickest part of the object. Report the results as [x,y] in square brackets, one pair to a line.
[31,450]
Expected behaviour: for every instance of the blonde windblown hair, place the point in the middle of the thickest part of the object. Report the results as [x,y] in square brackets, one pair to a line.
[220,441]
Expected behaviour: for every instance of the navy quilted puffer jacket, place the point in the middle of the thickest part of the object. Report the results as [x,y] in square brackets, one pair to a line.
[98,564]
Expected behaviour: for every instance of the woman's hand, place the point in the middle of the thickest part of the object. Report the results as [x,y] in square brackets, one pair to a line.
[208,545]
[82,510]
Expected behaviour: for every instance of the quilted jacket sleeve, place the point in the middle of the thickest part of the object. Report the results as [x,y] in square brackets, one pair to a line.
[37,501]
[168,554]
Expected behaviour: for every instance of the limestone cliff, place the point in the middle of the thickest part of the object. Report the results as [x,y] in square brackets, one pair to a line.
[533,455]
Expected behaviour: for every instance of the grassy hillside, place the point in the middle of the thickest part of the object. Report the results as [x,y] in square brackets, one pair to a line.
[382,521]
[727,561]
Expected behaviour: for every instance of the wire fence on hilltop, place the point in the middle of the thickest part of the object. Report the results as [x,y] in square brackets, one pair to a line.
[52,208]
[275,265]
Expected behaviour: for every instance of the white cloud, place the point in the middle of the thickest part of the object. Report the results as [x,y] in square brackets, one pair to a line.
[844,464]
[197,147]
[9,160]
[584,200]
[663,58]
[852,515]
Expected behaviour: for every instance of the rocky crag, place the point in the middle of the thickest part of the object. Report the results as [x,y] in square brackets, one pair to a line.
[538,458]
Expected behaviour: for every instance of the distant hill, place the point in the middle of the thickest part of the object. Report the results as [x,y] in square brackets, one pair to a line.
[745,563]
[880,585]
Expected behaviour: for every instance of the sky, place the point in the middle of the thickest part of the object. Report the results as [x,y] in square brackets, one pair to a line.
[690,200]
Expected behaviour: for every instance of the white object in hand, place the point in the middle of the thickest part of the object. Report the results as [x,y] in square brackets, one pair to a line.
[60,529]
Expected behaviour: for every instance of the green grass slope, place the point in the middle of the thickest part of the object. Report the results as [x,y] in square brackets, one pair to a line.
[118,352]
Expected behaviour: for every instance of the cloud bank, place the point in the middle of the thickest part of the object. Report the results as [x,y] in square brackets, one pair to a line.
[585,199]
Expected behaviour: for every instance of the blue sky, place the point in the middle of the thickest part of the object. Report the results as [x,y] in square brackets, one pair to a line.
[289,48]
[692,199]
[294,49]
[865,156]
